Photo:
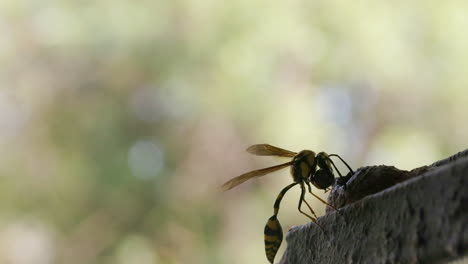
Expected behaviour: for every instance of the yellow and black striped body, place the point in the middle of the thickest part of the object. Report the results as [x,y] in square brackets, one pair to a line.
[306,168]
[273,231]
[303,169]
[273,237]
[304,165]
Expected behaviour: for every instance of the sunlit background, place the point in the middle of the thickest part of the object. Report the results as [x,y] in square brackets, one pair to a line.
[121,119]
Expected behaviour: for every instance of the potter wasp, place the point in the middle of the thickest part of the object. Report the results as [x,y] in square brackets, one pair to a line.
[304,172]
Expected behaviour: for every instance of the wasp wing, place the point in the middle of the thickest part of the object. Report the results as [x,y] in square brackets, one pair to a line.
[269,150]
[249,175]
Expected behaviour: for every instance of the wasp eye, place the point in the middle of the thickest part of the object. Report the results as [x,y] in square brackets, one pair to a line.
[323,179]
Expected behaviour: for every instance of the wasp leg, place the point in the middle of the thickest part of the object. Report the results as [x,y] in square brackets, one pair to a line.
[273,233]
[299,207]
[320,199]
[310,208]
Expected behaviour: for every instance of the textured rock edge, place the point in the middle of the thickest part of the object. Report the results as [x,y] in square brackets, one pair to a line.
[420,220]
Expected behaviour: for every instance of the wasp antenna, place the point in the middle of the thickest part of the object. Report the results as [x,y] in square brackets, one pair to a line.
[336,155]
[334,166]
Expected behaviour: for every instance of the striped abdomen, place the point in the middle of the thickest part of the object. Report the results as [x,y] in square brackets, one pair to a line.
[273,238]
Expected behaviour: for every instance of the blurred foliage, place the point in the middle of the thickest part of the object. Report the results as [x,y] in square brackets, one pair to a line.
[121,119]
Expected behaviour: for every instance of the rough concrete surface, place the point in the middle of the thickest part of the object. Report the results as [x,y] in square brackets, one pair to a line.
[390,216]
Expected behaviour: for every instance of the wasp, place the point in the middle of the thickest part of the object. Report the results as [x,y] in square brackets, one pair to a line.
[306,168]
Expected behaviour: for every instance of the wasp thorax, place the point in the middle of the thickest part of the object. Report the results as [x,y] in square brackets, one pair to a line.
[304,163]
[322,161]
[323,179]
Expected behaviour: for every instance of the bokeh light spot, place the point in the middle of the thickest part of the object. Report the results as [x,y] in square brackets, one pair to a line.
[26,242]
[145,159]
[136,249]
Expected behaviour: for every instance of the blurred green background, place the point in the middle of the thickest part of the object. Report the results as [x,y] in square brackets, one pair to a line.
[121,119]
